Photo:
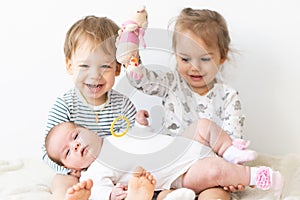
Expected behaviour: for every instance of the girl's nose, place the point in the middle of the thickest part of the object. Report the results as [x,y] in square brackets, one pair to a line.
[196,66]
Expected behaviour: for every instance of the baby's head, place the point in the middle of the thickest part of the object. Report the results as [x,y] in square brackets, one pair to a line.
[90,54]
[72,146]
[208,25]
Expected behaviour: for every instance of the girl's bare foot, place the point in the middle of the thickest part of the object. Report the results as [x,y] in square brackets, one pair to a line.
[141,185]
[80,191]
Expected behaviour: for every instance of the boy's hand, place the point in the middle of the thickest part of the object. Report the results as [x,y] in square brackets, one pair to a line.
[141,117]
[119,192]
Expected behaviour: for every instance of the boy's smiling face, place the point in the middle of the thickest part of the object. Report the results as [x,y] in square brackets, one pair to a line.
[75,147]
[93,71]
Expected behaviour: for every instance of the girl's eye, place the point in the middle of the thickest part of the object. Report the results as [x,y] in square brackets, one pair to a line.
[185,59]
[83,66]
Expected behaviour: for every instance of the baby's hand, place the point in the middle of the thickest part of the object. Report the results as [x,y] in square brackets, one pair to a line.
[119,192]
[76,173]
[133,70]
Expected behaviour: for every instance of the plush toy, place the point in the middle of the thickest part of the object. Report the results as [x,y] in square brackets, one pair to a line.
[130,35]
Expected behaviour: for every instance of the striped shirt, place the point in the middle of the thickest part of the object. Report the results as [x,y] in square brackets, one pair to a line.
[71,106]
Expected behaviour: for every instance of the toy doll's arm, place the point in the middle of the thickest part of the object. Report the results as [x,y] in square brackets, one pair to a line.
[131,27]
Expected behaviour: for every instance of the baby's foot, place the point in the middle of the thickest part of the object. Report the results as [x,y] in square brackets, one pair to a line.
[182,193]
[80,191]
[141,185]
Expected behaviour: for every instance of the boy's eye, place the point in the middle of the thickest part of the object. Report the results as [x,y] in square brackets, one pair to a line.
[205,59]
[105,66]
[83,66]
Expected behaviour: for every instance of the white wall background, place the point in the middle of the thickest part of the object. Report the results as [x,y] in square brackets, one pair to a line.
[265,33]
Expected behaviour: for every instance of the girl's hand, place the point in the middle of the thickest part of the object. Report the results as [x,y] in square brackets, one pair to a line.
[232,188]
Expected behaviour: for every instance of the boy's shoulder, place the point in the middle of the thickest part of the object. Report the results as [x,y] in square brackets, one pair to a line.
[116,94]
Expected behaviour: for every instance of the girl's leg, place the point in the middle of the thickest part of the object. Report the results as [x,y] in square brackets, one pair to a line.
[216,193]
[215,171]
[209,133]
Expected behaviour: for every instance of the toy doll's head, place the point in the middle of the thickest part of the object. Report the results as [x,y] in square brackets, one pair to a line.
[140,16]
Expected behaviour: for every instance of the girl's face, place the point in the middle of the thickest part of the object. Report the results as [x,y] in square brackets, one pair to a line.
[197,63]
[75,147]
[93,72]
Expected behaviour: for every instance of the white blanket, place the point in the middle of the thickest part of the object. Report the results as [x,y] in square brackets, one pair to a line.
[30,178]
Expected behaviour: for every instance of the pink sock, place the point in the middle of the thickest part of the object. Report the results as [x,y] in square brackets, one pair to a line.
[239,156]
[265,178]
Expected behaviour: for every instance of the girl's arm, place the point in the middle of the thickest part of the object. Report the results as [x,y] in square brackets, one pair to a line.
[234,118]
[152,82]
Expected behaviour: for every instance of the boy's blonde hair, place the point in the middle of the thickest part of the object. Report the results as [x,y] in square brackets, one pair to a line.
[96,30]
[209,25]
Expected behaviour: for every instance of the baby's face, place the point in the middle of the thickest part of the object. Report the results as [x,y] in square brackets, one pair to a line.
[75,147]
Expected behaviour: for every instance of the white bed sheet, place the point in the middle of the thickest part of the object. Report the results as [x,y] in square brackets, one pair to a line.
[30,178]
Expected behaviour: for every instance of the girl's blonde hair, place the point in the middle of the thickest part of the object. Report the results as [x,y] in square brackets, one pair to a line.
[96,30]
[209,25]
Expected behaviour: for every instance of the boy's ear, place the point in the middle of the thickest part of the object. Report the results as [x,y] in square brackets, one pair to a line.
[69,66]
[118,69]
